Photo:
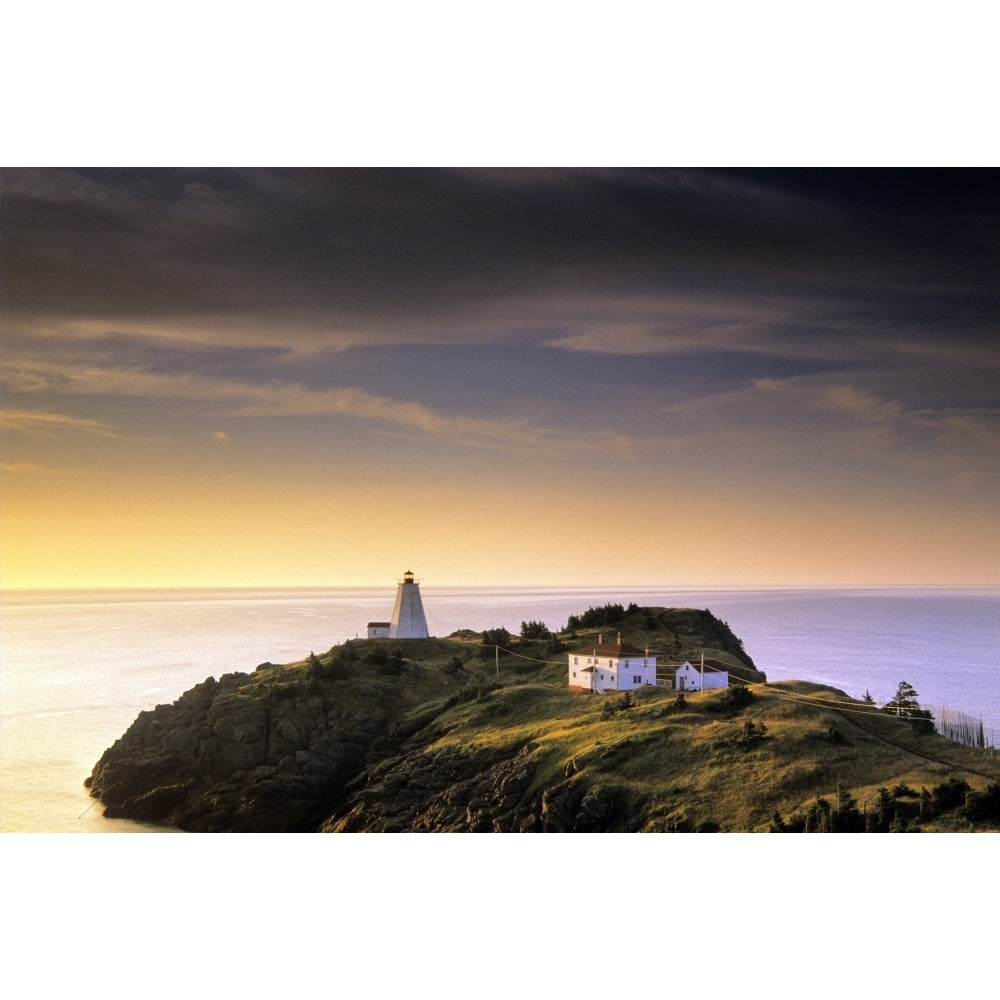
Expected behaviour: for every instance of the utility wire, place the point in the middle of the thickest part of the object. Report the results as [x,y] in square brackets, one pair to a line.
[854,707]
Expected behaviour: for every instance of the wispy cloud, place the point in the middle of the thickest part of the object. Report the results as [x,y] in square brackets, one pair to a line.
[48,424]
[826,417]
[217,397]
[30,468]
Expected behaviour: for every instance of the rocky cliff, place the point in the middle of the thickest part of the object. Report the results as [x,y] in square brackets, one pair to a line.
[423,735]
[346,740]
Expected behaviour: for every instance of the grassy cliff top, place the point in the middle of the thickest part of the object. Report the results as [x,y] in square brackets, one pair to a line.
[471,733]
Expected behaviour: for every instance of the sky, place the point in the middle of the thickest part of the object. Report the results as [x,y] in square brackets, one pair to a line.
[586,377]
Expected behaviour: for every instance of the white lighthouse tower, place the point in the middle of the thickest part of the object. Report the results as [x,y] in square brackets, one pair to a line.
[408,621]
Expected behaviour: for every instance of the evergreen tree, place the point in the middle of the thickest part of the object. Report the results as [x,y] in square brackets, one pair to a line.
[904,704]
[535,630]
[848,818]
[883,809]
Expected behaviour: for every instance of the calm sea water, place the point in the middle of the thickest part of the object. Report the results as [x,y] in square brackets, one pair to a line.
[76,667]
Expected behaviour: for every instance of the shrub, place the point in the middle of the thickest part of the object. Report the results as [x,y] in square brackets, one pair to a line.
[750,734]
[949,794]
[333,665]
[387,662]
[737,697]
[984,806]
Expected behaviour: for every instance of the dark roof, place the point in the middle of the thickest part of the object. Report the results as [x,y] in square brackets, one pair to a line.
[613,649]
[379,624]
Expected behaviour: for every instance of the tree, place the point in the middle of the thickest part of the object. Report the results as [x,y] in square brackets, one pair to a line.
[884,804]
[535,630]
[848,818]
[608,614]
[817,819]
[904,702]
[494,637]
[905,706]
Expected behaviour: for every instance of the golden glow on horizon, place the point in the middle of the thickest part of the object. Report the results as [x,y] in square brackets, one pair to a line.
[275,378]
[313,534]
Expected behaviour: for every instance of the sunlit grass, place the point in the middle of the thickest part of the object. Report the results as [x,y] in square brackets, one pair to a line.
[679,767]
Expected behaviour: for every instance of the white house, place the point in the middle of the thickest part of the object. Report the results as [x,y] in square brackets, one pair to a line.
[607,667]
[378,630]
[689,678]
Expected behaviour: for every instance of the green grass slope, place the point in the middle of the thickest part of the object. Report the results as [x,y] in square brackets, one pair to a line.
[704,766]
[454,735]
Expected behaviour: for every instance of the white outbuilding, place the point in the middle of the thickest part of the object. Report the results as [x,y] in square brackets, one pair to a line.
[690,678]
[609,667]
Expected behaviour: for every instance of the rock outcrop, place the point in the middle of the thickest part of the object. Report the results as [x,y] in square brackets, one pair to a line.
[351,741]
[241,753]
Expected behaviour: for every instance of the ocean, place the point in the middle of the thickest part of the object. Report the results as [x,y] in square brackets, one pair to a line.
[76,667]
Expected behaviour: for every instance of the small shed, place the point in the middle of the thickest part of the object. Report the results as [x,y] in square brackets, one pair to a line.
[690,678]
[378,630]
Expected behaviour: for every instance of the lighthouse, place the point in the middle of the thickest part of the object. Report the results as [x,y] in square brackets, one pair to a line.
[408,621]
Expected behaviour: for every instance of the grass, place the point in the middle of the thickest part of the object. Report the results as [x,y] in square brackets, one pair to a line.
[675,769]
[692,762]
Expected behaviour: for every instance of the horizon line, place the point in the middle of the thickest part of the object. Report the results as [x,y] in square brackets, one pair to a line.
[505,586]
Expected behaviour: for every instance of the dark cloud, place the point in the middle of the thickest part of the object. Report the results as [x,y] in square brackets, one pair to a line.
[569,298]
[413,251]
